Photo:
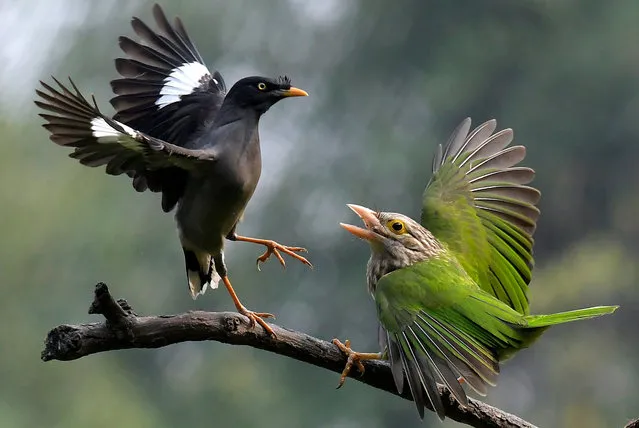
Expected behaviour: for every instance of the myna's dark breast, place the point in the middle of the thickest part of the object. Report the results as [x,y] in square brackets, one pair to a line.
[214,203]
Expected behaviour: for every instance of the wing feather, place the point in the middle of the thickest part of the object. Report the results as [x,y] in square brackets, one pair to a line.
[166,90]
[479,205]
[99,140]
[428,339]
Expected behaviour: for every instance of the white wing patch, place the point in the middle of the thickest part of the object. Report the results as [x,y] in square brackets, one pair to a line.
[181,82]
[105,133]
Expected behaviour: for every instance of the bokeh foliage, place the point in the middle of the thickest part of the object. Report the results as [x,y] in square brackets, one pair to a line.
[388,81]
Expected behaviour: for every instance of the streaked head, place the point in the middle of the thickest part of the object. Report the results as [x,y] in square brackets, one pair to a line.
[260,93]
[396,241]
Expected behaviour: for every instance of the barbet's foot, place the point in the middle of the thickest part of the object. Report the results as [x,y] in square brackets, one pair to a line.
[274,248]
[354,358]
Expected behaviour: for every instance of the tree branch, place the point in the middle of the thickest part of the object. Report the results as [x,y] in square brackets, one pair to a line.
[124,329]
[633,424]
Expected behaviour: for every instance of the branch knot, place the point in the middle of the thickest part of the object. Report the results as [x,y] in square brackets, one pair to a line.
[232,323]
[119,314]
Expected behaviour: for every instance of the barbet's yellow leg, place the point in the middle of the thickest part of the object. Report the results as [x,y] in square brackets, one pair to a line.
[354,358]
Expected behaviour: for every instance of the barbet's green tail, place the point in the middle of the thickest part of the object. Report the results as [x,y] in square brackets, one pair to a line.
[538,324]
[537,321]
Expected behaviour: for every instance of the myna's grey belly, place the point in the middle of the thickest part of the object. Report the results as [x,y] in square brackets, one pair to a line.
[209,210]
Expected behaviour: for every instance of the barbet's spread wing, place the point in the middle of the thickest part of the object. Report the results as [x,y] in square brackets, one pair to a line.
[477,203]
[167,92]
[99,140]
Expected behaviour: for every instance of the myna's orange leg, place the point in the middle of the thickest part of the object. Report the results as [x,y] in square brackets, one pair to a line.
[353,358]
[252,316]
[274,248]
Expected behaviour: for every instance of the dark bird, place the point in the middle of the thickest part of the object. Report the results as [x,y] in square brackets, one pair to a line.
[452,290]
[177,131]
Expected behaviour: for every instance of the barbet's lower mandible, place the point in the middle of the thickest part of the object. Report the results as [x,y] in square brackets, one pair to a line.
[451,291]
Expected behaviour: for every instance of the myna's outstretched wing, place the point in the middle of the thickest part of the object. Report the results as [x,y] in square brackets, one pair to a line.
[166,90]
[99,140]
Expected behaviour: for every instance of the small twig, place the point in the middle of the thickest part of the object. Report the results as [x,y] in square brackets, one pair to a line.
[119,315]
[124,330]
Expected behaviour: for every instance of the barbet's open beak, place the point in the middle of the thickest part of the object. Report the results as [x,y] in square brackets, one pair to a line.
[369,218]
[294,92]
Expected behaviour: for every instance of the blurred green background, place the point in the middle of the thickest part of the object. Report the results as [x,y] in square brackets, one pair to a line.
[388,81]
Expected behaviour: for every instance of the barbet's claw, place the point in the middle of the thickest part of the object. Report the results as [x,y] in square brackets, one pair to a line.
[354,358]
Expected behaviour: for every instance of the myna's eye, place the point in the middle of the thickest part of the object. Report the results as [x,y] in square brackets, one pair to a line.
[396,226]
[261,86]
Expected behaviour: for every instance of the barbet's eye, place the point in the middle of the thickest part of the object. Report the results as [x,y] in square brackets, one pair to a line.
[397,226]
[261,86]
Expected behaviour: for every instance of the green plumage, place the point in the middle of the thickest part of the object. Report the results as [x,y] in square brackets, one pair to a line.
[448,319]
[451,292]
[478,204]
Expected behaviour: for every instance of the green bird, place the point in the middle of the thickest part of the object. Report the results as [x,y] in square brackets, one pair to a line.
[451,291]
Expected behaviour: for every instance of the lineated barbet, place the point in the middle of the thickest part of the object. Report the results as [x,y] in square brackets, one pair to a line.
[451,290]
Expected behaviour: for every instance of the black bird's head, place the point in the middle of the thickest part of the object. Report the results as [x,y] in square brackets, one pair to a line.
[260,93]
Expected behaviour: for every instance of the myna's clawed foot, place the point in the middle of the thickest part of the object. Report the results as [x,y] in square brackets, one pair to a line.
[274,248]
[258,317]
[254,317]
[353,358]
